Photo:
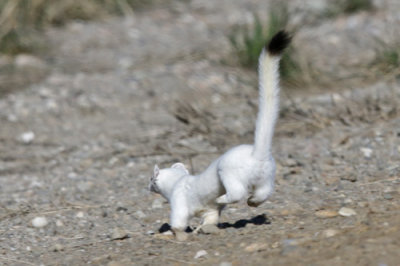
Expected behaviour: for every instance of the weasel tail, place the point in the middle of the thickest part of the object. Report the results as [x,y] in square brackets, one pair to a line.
[268,71]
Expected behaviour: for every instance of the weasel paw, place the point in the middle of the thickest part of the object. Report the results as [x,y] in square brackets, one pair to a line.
[253,203]
[180,235]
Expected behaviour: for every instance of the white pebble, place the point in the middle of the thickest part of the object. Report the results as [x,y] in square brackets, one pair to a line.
[346,212]
[80,215]
[330,233]
[25,60]
[59,223]
[27,137]
[72,175]
[39,222]
[200,253]
[256,247]
[367,152]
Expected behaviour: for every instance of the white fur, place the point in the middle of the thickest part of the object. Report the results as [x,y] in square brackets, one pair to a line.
[243,172]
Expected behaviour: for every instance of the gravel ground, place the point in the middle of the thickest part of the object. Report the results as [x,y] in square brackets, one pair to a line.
[78,146]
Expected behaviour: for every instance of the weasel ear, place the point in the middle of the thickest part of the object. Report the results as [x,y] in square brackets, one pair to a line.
[180,166]
[156,171]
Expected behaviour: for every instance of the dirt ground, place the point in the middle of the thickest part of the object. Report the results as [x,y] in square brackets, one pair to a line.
[78,145]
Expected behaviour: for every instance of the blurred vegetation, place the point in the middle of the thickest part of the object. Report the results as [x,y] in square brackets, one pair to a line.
[249,41]
[21,21]
[339,7]
[388,59]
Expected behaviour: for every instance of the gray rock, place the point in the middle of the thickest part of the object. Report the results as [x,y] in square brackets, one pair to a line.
[118,234]
[387,196]
[209,229]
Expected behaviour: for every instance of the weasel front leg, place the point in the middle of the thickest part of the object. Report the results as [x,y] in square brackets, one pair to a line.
[179,219]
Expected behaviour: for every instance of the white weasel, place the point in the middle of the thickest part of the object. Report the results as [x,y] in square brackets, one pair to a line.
[245,171]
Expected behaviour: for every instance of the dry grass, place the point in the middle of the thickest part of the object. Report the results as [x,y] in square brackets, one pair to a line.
[22,20]
[249,41]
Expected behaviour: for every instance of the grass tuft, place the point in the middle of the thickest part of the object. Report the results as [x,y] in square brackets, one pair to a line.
[388,60]
[249,41]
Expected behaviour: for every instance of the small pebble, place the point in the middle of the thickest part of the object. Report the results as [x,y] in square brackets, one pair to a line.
[344,211]
[72,175]
[27,137]
[330,233]
[290,162]
[350,177]
[84,186]
[225,263]
[200,253]
[118,234]
[275,245]
[348,201]
[387,196]
[367,152]
[209,229]
[59,223]
[256,247]
[80,215]
[58,247]
[39,222]
[30,61]
[150,232]
[326,214]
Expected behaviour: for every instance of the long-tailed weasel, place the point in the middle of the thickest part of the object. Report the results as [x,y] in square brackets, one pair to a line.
[243,172]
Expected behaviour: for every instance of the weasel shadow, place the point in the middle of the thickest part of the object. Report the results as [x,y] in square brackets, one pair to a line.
[256,220]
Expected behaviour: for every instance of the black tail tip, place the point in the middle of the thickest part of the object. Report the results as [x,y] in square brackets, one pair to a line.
[278,43]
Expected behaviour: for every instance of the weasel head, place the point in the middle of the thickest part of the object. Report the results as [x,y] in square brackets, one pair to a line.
[164,179]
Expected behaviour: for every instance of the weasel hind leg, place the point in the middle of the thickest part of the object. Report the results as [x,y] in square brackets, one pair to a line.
[235,191]
[260,195]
